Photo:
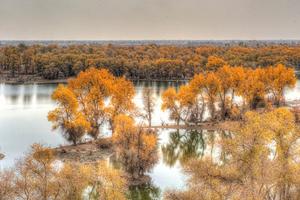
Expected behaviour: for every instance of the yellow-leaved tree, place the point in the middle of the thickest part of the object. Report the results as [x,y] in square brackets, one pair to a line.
[91,88]
[67,115]
[253,88]
[136,147]
[277,79]
[39,176]
[170,103]
[214,62]
[93,98]
[121,99]
[261,161]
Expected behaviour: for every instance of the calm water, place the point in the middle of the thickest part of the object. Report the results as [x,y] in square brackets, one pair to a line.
[23,121]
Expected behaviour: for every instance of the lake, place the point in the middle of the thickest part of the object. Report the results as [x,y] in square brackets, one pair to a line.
[23,121]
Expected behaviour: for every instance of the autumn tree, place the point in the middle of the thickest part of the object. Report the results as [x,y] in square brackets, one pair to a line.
[148,103]
[67,116]
[238,75]
[7,190]
[191,103]
[108,183]
[136,147]
[260,162]
[38,176]
[277,79]
[81,103]
[286,135]
[214,62]
[184,105]
[121,99]
[211,87]
[34,175]
[225,76]
[99,181]
[73,179]
[91,88]
[170,103]
[230,79]
[253,88]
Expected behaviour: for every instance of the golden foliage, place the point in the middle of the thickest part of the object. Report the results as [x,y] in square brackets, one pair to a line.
[216,91]
[135,146]
[81,104]
[111,183]
[38,176]
[261,162]
[214,62]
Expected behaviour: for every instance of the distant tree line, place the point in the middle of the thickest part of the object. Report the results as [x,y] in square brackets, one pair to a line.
[140,61]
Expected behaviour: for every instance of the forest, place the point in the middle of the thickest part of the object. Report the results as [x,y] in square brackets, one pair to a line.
[149,62]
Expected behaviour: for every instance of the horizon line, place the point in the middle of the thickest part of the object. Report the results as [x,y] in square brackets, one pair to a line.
[149,40]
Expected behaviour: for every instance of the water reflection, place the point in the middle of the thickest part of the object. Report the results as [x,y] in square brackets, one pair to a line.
[25,95]
[186,144]
[158,87]
[144,192]
[183,145]
[23,121]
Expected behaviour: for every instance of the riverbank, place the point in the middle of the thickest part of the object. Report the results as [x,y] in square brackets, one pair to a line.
[102,149]
[92,152]
[211,126]
[88,152]
[6,78]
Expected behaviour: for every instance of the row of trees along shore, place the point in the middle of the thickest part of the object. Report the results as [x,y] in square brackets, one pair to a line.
[96,97]
[213,93]
[163,62]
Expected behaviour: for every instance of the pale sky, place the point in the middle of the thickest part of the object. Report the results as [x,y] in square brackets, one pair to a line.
[149,19]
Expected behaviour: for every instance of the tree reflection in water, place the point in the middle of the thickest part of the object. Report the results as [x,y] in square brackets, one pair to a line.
[144,192]
[186,144]
[183,144]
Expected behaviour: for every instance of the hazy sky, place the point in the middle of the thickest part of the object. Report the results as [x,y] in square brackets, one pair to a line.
[149,19]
